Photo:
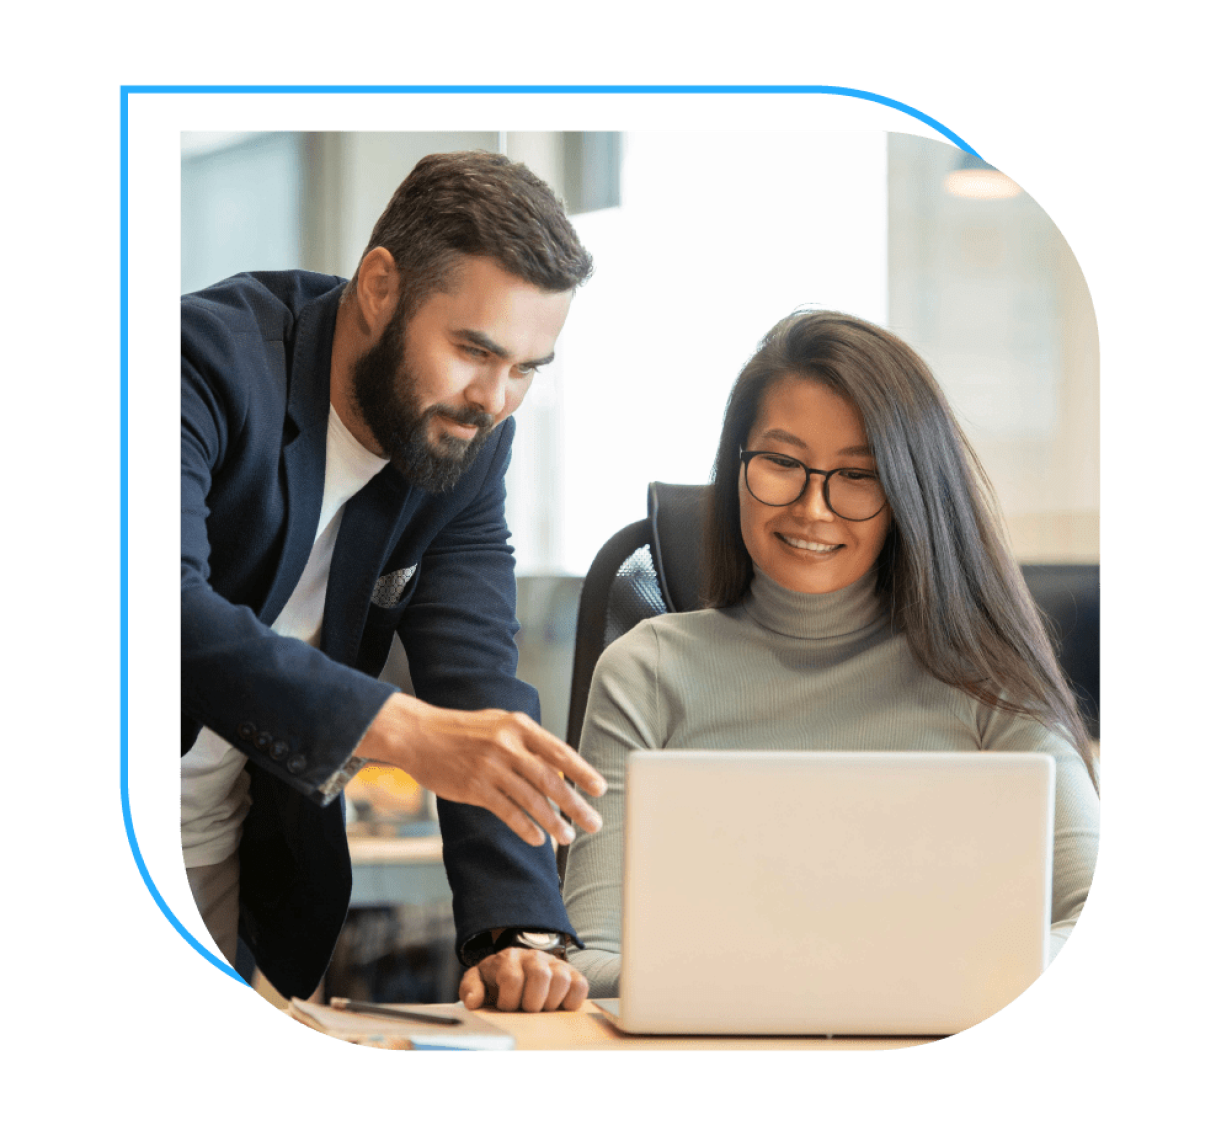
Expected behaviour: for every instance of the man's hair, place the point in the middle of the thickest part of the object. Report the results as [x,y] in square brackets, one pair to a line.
[945,570]
[475,203]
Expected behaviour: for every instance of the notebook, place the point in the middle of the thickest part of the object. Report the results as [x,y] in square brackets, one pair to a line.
[382,1031]
[892,894]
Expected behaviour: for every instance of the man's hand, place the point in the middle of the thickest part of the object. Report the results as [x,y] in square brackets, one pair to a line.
[517,979]
[499,760]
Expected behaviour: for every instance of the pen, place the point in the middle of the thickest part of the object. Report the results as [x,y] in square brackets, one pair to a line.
[389,1012]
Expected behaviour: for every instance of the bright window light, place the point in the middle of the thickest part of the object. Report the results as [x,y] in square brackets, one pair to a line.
[717,237]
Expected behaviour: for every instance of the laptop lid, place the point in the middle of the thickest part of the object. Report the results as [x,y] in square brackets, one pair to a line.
[832,893]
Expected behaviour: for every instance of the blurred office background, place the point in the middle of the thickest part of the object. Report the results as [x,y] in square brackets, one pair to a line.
[701,242]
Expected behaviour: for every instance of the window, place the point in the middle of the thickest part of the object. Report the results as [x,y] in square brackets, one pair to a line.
[242,205]
[716,238]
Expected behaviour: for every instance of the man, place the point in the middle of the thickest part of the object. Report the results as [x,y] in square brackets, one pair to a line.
[343,452]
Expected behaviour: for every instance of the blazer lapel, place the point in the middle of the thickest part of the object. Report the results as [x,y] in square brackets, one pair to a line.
[303,462]
[371,524]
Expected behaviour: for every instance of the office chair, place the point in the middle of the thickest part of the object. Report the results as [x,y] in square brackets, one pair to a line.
[650,567]
[653,566]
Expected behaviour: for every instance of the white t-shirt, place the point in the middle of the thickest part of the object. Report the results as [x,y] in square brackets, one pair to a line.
[215,786]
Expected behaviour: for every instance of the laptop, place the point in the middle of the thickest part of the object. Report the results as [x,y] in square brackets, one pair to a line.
[875,894]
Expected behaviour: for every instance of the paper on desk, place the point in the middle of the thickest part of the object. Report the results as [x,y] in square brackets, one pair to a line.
[389,1033]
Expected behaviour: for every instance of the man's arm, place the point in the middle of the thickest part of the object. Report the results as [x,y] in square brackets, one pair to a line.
[458,632]
[499,760]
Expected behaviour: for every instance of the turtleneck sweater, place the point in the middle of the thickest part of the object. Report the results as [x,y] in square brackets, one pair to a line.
[785,670]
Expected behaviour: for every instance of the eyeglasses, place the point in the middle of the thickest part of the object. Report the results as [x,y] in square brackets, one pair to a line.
[778,479]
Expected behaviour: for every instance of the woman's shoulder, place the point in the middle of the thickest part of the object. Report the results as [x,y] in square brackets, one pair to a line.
[675,626]
[676,632]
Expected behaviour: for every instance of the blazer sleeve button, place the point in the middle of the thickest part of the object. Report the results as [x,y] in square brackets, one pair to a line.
[246,730]
[262,742]
[297,764]
[279,750]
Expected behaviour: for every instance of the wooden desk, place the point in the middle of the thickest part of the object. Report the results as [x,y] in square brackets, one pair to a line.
[589,1028]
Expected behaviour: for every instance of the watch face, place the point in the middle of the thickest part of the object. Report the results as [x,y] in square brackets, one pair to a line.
[537,940]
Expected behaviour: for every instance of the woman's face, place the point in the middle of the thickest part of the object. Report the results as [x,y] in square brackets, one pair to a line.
[805,547]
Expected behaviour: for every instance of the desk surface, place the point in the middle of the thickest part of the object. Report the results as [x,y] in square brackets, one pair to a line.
[587,1030]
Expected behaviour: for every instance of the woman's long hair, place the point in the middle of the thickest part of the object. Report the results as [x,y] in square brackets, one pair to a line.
[953,586]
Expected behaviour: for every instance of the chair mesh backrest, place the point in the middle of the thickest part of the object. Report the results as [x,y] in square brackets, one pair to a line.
[633,596]
[621,589]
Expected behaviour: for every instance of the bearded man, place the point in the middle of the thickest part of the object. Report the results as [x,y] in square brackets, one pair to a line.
[343,452]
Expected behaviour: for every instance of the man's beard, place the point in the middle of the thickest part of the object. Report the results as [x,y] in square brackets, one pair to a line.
[386,394]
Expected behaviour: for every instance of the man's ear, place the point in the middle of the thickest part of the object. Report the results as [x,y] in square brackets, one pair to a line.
[377,289]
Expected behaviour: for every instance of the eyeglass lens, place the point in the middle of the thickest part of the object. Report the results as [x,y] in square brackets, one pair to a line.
[853,494]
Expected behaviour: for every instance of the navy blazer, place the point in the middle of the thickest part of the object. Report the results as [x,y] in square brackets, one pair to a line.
[255,405]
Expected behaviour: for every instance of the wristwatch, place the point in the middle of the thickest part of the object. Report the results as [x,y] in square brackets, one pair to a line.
[491,942]
[551,942]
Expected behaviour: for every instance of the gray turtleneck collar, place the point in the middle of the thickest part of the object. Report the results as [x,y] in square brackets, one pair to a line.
[851,610]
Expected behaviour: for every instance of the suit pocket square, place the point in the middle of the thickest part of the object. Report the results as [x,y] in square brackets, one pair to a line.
[391,587]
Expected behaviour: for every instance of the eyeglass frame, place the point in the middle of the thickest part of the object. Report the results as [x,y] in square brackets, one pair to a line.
[745,456]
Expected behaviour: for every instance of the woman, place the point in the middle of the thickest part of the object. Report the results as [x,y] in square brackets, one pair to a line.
[860,597]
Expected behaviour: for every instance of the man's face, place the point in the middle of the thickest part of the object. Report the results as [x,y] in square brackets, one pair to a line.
[431,391]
